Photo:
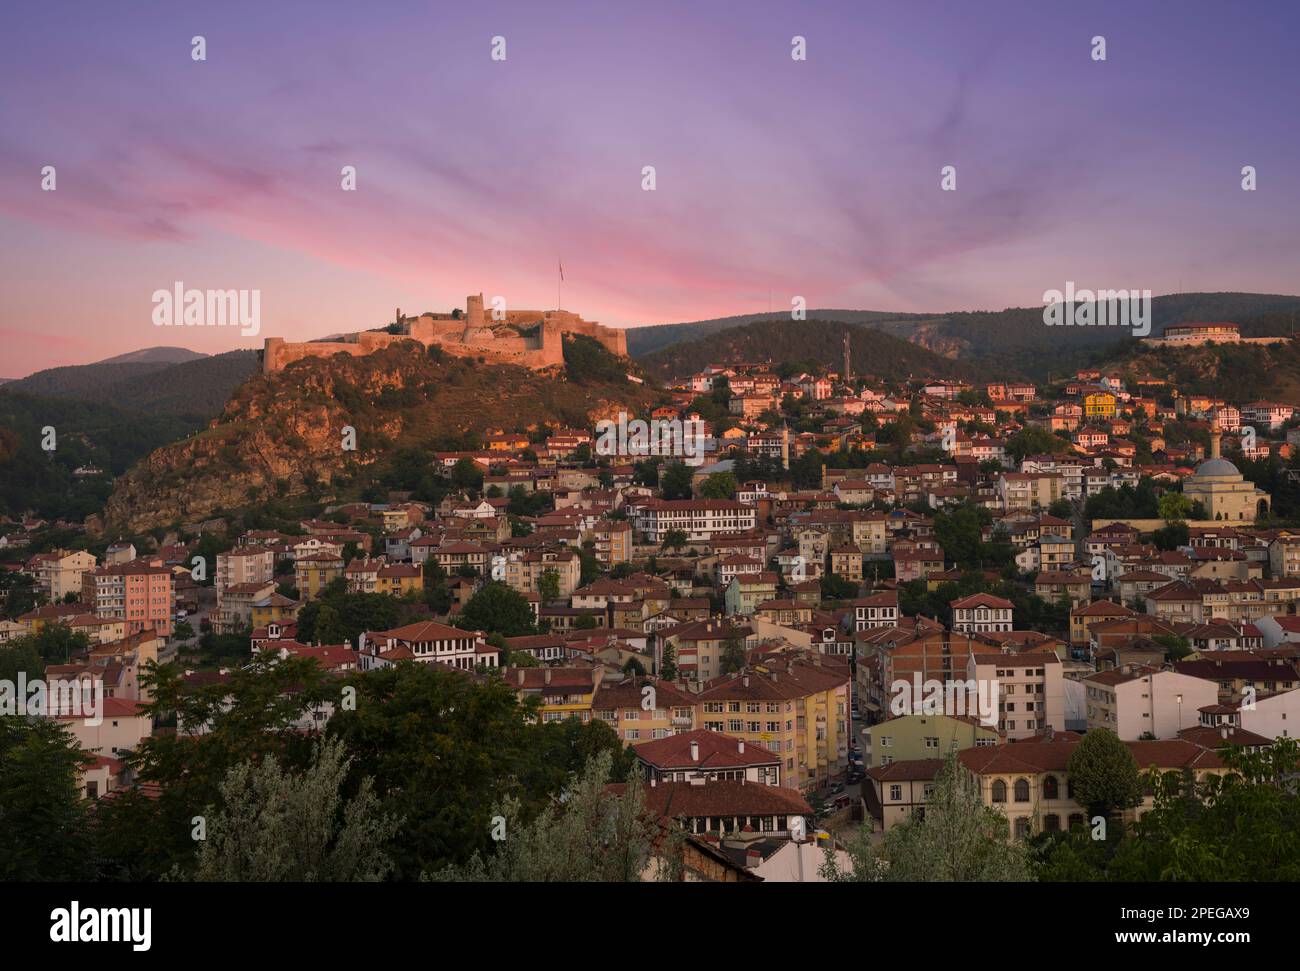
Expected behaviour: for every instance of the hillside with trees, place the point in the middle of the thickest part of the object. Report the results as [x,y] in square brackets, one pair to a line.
[1015,340]
[806,343]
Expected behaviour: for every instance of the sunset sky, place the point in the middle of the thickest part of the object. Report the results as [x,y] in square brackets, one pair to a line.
[818,178]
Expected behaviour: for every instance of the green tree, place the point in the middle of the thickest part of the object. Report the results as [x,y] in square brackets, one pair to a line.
[276,825]
[675,539]
[1104,775]
[1233,827]
[590,834]
[1174,507]
[466,474]
[719,485]
[675,481]
[836,587]
[733,652]
[44,831]
[668,663]
[548,586]
[497,608]
[959,839]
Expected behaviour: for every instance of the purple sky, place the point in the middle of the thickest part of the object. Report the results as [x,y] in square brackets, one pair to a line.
[818,178]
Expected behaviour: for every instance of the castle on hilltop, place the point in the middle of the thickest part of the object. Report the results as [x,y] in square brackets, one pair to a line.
[529,338]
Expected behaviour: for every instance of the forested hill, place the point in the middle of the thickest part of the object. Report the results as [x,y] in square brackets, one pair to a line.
[807,343]
[198,387]
[1015,341]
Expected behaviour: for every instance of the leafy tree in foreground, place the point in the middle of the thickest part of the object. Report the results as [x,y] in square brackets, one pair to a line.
[589,834]
[959,839]
[1104,775]
[43,831]
[276,825]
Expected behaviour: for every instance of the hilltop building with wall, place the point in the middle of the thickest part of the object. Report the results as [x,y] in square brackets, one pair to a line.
[529,338]
[1194,335]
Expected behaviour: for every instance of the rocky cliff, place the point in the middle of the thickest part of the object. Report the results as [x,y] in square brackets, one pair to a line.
[282,433]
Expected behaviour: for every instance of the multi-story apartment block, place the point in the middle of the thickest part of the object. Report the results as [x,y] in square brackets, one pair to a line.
[923,736]
[1284,556]
[524,572]
[613,542]
[1138,701]
[1031,690]
[313,573]
[561,693]
[644,710]
[798,709]
[698,646]
[244,564]
[139,593]
[59,573]
[235,608]
[1030,490]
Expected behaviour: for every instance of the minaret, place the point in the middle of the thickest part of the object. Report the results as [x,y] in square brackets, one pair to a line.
[785,446]
[1216,434]
[848,372]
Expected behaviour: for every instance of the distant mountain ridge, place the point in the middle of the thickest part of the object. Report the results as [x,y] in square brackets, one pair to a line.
[1014,340]
[193,384]
[155,355]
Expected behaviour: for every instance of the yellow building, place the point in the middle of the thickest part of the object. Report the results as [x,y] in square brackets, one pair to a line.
[798,707]
[562,693]
[1099,404]
[312,574]
[399,579]
[275,609]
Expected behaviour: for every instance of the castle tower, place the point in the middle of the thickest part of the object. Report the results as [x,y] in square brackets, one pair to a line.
[474,311]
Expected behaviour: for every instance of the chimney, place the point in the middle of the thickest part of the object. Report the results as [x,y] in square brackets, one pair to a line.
[1223,731]
[745,681]
[740,746]
[546,676]
[654,780]
[521,677]
[695,751]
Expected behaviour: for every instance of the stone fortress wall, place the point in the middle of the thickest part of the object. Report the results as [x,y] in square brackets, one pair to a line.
[529,338]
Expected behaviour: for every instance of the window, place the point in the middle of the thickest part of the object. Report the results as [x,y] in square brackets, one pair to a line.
[1022,790]
[1050,788]
[999,791]
[1052,823]
[895,793]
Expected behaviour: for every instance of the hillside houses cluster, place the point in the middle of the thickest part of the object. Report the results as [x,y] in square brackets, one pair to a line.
[750,645]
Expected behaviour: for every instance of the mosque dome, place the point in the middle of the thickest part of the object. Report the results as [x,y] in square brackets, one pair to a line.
[1217,467]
